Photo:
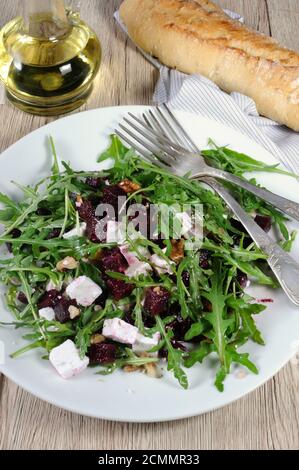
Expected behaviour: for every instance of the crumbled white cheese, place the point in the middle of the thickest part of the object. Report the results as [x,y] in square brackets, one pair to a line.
[66,360]
[161,265]
[47,313]
[116,232]
[120,331]
[145,343]
[84,291]
[75,232]
[138,269]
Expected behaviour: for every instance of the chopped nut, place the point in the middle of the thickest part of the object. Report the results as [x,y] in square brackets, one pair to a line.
[131,368]
[129,186]
[177,251]
[97,339]
[74,312]
[67,263]
[151,369]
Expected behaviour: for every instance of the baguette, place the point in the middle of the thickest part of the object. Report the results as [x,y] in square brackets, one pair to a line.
[196,36]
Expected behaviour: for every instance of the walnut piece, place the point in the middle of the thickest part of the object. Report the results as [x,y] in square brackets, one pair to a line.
[177,251]
[129,186]
[67,263]
[74,312]
[97,339]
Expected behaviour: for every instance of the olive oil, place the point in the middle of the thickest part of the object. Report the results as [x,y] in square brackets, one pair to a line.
[48,68]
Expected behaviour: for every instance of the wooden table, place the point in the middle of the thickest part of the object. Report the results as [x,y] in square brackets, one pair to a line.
[266,419]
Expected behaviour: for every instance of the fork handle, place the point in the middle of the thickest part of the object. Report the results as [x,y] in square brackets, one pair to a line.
[287,206]
[282,264]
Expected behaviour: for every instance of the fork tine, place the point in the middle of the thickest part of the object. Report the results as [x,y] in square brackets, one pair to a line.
[164,151]
[165,159]
[186,137]
[138,148]
[151,133]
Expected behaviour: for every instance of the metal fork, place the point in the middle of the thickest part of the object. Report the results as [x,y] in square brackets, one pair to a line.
[188,160]
[169,131]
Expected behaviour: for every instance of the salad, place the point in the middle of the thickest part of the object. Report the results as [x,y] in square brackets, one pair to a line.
[93,289]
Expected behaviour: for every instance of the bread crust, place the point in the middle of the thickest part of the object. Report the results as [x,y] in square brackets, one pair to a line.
[196,36]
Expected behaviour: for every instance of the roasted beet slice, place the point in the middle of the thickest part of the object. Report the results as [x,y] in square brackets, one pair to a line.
[86,210]
[113,260]
[53,234]
[43,212]
[178,345]
[264,221]
[91,231]
[186,278]
[111,195]
[204,259]
[22,298]
[242,279]
[156,300]
[101,300]
[119,289]
[94,182]
[61,309]
[179,327]
[102,353]
[49,299]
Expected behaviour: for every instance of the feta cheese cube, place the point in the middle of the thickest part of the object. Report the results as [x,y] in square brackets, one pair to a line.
[115,232]
[84,291]
[161,265]
[132,256]
[120,331]
[75,232]
[145,343]
[138,269]
[47,313]
[66,360]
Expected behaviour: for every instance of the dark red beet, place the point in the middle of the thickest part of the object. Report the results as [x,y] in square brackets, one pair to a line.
[119,289]
[177,345]
[128,318]
[186,278]
[15,233]
[204,259]
[179,327]
[43,212]
[49,299]
[101,300]
[86,210]
[242,279]
[102,353]
[91,231]
[94,182]
[53,234]
[264,221]
[156,300]
[113,260]
[61,309]
[111,195]
[22,298]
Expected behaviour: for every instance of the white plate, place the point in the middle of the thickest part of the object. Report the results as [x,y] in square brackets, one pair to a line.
[134,397]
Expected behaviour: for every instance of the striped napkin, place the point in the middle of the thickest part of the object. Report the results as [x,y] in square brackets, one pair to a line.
[197,94]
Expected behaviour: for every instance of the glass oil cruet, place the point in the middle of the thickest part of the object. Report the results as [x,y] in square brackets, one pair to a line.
[48,58]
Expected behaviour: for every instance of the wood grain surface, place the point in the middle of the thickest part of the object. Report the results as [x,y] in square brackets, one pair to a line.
[267,418]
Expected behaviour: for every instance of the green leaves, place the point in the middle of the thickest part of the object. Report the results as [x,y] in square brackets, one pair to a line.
[174,356]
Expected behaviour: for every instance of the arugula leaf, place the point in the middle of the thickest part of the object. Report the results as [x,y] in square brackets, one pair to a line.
[174,356]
